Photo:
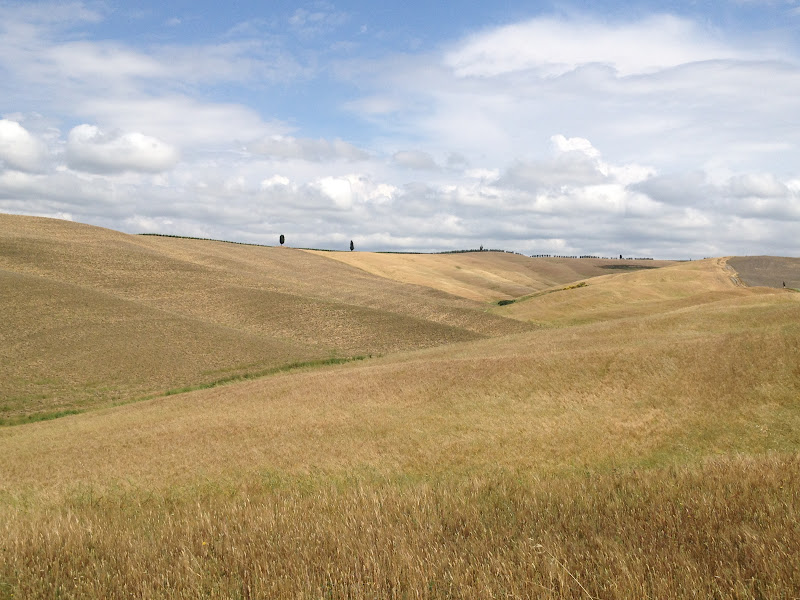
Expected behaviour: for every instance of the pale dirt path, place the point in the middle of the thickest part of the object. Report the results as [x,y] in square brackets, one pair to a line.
[734,276]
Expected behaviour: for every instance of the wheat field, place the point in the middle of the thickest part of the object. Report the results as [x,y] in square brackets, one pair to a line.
[634,437]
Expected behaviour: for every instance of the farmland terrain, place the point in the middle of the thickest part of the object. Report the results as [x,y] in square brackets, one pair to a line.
[767,271]
[95,316]
[628,435]
[487,276]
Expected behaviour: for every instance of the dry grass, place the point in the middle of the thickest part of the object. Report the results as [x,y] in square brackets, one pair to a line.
[486,276]
[728,529]
[648,449]
[673,388]
[643,293]
[94,316]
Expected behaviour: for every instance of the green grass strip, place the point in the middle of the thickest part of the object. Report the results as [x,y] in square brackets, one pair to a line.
[36,417]
[308,364]
[323,362]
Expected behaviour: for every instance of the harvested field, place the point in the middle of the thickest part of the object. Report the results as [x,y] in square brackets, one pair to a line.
[767,271]
[634,437]
[486,276]
[624,295]
[96,316]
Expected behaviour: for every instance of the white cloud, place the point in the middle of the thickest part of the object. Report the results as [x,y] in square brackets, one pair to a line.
[287,147]
[575,144]
[577,163]
[487,175]
[275,180]
[102,61]
[415,159]
[348,190]
[90,149]
[555,46]
[759,185]
[551,135]
[18,148]
[183,122]
[337,189]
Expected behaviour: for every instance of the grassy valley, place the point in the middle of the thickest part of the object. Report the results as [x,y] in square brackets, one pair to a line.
[634,437]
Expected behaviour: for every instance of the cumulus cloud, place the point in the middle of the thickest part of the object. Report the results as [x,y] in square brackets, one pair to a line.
[701,101]
[319,150]
[348,190]
[759,185]
[674,150]
[679,189]
[337,189]
[93,150]
[574,144]
[18,148]
[576,163]
[568,169]
[275,180]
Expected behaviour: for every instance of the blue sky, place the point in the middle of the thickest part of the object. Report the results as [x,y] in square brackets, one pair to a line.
[642,128]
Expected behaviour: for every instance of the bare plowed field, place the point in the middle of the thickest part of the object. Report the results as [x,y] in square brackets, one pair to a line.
[767,271]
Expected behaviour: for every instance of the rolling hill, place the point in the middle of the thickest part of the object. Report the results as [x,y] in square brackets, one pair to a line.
[642,293]
[636,436]
[98,316]
[487,276]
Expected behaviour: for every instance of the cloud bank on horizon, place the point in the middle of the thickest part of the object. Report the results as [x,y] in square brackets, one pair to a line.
[541,128]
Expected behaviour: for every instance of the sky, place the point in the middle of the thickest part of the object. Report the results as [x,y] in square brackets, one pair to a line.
[650,129]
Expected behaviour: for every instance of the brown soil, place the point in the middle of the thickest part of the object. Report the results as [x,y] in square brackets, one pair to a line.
[767,271]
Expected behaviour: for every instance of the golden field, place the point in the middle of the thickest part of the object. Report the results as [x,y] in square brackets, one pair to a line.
[95,317]
[636,437]
[485,276]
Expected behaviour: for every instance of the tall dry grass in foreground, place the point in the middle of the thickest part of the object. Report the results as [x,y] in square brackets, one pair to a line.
[726,529]
[565,463]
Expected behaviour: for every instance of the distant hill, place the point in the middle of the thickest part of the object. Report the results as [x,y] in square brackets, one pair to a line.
[487,276]
[625,295]
[767,271]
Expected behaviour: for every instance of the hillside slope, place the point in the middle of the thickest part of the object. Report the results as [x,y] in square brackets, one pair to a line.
[486,276]
[643,442]
[711,367]
[767,271]
[718,376]
[642,293]
[94,315]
